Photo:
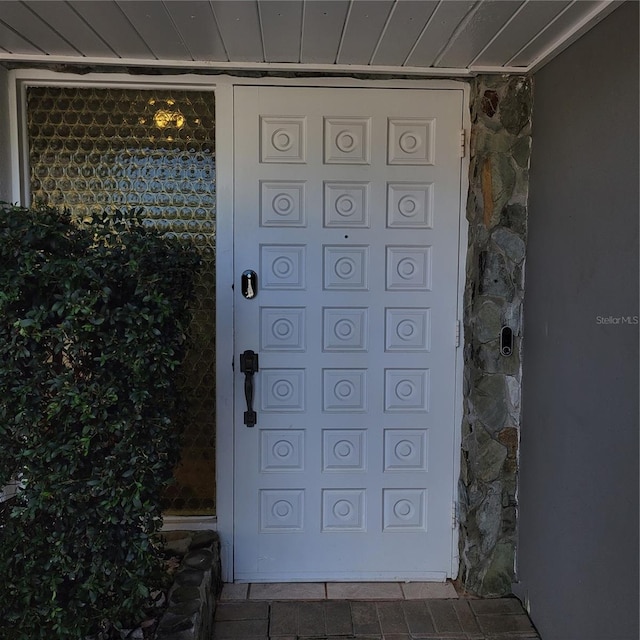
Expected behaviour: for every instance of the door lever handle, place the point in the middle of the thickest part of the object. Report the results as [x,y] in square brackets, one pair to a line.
[249,366]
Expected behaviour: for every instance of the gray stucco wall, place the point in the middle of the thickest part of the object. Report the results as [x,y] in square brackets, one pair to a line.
[578,543]
[5,156]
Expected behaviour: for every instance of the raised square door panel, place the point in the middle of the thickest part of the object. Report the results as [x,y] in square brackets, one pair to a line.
[344,450]
[281,450]
[347,206]
[407,329]
[283,139]
[410,206]
[412,141]
[347,140]
[282,203]
[404,510]
[408,268]
[344,390]
[282,267]
[346,267]
[281,510]
[282,329]
[406,390]
[344,329]
[282,390]
[343,510]
[405,450]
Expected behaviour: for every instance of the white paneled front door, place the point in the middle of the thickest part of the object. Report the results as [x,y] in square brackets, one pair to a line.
[347,205]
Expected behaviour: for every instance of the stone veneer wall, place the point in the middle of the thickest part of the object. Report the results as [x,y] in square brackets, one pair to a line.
[197,585]
[497,215]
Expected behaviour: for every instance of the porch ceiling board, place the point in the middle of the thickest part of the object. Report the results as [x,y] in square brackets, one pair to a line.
[441,26]
[111,24]
[324,22]
[240,24]
[416,37]
[31,27]
[525,24]
[404,26]
[65,21]
[476,30]
[15,43]
[364,24]
[156,28]
[281,23]
[556,30]
[198,29]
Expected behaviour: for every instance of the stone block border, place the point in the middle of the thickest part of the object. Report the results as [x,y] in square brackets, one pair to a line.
[197,585]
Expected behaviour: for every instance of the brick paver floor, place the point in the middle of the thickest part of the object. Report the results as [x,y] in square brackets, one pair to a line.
[372,619]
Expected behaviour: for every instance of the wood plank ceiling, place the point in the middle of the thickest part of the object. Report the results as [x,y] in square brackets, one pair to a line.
[418,37]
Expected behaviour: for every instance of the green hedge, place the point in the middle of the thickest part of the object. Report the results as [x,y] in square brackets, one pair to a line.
[93,321]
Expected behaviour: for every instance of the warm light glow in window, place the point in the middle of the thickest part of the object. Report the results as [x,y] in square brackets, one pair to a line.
[163,118]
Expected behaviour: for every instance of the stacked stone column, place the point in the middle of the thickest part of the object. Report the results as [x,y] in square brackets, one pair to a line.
[497,216]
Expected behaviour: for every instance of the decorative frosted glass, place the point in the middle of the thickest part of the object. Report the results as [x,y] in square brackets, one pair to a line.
[94,148]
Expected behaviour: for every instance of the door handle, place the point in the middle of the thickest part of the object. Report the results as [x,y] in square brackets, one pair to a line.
[249,366]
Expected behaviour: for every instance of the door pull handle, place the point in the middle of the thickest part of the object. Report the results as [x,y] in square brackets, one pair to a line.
[249,366]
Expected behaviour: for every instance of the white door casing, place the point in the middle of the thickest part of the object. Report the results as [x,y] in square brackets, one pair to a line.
[347,206]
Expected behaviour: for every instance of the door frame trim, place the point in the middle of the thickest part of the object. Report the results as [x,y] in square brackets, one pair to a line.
[222,86]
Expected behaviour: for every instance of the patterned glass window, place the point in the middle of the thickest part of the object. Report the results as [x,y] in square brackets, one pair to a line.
[95,148]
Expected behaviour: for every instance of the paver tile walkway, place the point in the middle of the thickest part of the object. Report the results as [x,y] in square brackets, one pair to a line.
[238,617]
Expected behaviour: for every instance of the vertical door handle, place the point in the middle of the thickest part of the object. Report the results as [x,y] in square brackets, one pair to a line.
[249,366]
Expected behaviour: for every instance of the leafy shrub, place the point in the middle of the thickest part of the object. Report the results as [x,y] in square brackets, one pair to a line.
[92,332]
